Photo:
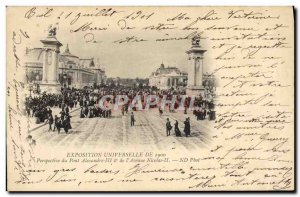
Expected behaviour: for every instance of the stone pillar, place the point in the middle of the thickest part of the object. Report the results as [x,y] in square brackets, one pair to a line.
[51,47]
[195,70]
[52,67]
[54,70]
[44,80]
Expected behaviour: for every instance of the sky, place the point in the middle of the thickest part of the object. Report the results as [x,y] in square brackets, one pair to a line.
[127,60]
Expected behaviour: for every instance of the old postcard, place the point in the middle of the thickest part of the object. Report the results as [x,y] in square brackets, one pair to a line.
[150,99]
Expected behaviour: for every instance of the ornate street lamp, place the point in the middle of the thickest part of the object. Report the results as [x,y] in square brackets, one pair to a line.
[30,89]
[64,80]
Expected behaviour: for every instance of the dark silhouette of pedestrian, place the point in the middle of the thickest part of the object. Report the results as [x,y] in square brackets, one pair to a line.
[50,121]
[187,127]
[168,127]
[177,131]
[132,120]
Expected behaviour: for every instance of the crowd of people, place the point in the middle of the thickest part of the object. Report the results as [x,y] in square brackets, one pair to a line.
[40,107]
[94,111]
[87,99]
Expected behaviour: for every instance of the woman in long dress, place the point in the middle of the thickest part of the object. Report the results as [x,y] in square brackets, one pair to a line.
[187,127]
[177,131]
[82,113]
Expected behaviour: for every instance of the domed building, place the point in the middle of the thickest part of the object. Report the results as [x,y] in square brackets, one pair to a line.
[73,71]
[167,77]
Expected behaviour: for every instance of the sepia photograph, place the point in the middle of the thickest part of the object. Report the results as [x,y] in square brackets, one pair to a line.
[73,101]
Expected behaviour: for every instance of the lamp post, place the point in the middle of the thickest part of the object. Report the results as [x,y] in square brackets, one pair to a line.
[37,79]
[64,80]
[30,89]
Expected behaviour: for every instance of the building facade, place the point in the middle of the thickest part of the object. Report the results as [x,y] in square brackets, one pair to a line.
[72,71]
[127,82]
[168,77]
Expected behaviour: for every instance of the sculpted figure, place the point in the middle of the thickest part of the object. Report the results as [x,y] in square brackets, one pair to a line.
[196,40]
[52,31]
